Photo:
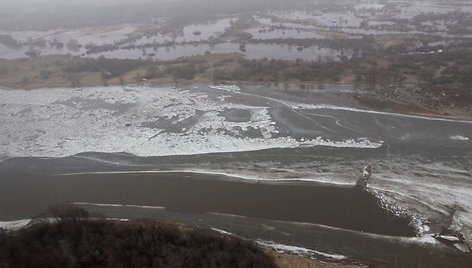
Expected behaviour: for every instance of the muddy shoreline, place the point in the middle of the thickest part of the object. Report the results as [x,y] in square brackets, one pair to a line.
[351,246]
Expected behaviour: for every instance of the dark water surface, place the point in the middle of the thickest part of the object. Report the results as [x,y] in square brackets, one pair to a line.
[25,195]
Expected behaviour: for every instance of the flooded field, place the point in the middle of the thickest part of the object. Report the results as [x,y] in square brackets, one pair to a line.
[256,35]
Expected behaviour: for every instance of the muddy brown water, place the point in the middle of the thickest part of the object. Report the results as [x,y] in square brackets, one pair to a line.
[273,210]
[25,195]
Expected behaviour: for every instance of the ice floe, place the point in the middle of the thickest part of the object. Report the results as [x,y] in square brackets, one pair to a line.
[139,120]
[281,248]
[460,138]
[14,225]
[231,88]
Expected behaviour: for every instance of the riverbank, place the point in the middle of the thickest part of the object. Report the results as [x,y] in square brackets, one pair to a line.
[295,261]
[73,239]
[100,241]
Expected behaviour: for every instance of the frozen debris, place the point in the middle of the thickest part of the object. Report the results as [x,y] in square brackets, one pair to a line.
[223,232]
[14,225]
[349,143]
[448,238]
[281,248]
[367,172]
[463,247]
[230,88]
[457,241]
[306,106]
[459,138]
[395,208]
[426,239]
[118,219]
[165,120]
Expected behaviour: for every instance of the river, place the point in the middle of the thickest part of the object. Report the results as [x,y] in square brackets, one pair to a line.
[282,158]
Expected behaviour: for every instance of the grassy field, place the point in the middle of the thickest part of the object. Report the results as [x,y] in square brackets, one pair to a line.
[448,70]
[48,71]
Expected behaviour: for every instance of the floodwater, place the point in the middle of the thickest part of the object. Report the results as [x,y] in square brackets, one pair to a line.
[194,39]
[257,152]
[252,51]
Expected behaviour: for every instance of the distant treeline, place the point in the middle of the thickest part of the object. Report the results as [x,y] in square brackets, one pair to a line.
[454,67]
[445,68]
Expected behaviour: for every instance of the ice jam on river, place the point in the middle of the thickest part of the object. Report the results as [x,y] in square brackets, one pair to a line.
[422,165]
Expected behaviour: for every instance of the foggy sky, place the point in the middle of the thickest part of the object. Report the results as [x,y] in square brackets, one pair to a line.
[35,3]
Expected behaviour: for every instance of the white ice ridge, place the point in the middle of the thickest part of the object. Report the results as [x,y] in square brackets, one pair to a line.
[14,225]
[230,88]
[341,108]
[221,231]
[138,120]
[430,189]
[350,143]
[460,138]
[239,175]
[117,205]
[281,248]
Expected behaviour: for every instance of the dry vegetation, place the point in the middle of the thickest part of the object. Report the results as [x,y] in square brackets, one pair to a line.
[71,237]
[74,240]
[447,69]
[295,261]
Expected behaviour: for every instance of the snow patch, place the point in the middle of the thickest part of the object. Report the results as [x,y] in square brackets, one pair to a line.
[426,239]
[221,231]
[459,138]
[281,248]
[233,175]
[14,225]
[350,143]
[230,88]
